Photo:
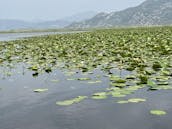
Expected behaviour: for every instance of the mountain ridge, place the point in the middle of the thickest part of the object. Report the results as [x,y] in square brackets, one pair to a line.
[150,12]
[12,24]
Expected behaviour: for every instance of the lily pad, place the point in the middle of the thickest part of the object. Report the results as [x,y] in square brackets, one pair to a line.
[122,102]
[84,79]
[165,87]
[100,95]
[71,79]
[118,84]
[136,100]
[71,101]
[40,90]
[117,94]
[158,112]
[94,82]
[131,77]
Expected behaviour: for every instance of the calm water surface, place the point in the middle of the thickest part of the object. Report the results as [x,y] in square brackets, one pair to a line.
[21,108]
[14,36]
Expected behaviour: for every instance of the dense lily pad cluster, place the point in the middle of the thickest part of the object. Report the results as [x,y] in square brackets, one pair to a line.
[145,51]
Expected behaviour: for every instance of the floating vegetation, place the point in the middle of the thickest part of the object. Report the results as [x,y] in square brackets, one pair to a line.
[94,82]
[158,112]
[100,95]
[162,88]
[40,90]
[132,100]
[145,54]
[122,102]
[118,84]
[71,101]
[131,77]
[83,79]
[71,79]
[136,100]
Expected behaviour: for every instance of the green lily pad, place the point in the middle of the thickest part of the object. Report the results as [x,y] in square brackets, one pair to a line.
[71,101]
[134,88]
[162,83]
[40,90]
[117,79]
[136,100]
[165,87]
[118,84]
[34,68]
[84,79]
[158,112]
[71,79]
[122,102]
[100,95]
[117,94]
[94,82]
[131,77]
[151,83]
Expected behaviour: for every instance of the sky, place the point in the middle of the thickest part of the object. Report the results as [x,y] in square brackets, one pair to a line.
[31,10]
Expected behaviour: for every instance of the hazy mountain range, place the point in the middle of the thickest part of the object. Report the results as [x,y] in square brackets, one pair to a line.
[150,12]
[10,24]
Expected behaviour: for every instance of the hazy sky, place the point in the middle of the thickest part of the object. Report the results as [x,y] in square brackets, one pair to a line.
[56,9]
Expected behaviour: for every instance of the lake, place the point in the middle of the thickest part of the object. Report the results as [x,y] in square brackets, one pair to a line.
[14,36]
[22,108]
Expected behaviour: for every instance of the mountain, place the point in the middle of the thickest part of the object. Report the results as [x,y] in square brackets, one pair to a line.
[80,16]
[150,12]
[19,24]
[6,24]
[10,24]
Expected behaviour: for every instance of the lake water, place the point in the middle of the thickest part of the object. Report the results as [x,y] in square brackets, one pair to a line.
[14,36]
[21,108]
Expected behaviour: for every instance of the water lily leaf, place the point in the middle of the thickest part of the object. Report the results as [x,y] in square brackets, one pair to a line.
[93,82]
[71,79]
[113,77]
[118,84]
[158,112]
[117,79]
[162,78]
[122,102]
[136,100]
[151,83]
[162,88]
[40,90]
[156,65]
[143,79]
[162,83]
[166,73]
[65,103]
[134,88]
[84,79]
[34,68]
[71,101]
[117,94]
[130,77]
[100,95]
